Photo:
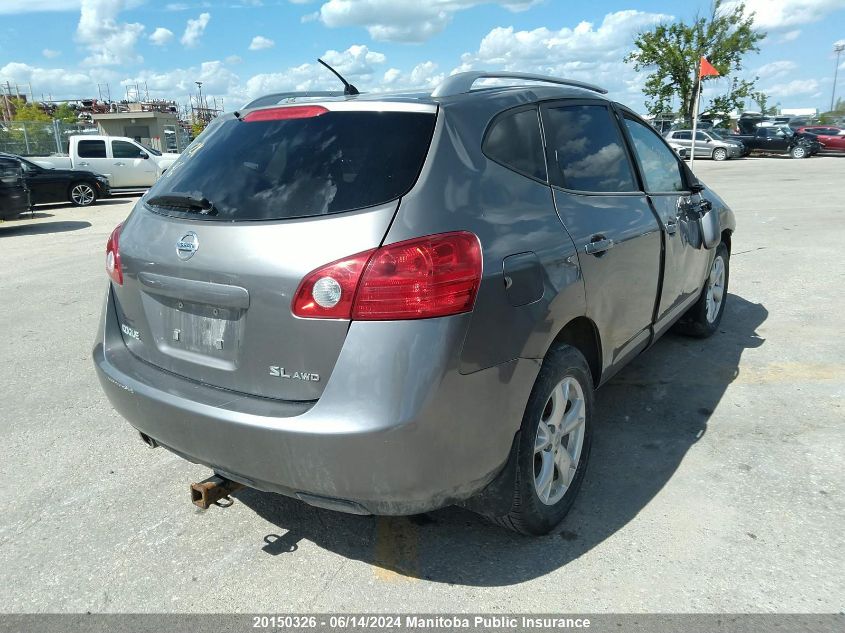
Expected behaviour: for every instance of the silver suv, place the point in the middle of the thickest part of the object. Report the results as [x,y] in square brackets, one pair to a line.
[386,304]
[707,144]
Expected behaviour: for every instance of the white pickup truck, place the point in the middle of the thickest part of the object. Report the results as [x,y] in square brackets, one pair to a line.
[126,163]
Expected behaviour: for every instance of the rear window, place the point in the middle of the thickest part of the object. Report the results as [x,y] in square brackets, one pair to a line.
[294,168]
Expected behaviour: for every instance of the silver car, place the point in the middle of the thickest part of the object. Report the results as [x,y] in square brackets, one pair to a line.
[390,303]
[708,144]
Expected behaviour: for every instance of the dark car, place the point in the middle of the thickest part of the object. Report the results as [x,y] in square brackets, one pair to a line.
[14,195]
[780,139]
[386,304]
[81,188]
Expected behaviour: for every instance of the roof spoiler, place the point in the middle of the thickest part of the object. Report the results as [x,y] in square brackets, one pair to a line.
[277,97]
[461,83]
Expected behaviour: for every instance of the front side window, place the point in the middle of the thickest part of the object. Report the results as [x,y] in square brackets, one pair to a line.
[91,149]
[586,149]
[514,141]
[122,149]
[660,167]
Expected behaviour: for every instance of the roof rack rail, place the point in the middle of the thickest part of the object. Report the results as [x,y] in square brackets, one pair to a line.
[461,83]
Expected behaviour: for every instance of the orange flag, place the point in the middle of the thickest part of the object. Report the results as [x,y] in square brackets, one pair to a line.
[706,69]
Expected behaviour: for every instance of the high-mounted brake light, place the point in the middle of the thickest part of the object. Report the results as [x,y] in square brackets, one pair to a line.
[426,277]
[113,266]
[286,112]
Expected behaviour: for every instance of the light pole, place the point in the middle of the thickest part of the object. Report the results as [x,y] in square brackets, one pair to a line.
[837,48]
[199,86]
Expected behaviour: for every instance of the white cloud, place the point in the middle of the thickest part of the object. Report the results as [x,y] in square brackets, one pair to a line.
[59,82]
[776,69]
[259,42]
[355,63]
[161,36]
[109,42]
[585,52]
[194,30]
[389,20]
[49,53]
[793,88]
[217,80]
[234,59]
[786,13]
[789,36]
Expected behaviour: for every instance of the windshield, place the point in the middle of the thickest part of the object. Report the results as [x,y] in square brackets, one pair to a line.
[152,151]
[787,131]
[298,167]
[716,135]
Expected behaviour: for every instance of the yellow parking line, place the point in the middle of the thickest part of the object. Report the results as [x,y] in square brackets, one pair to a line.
[396,555]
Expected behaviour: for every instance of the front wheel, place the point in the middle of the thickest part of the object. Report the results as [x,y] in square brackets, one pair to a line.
[720,153]
[554,445]
[82,194]
[703,318]
[798,152]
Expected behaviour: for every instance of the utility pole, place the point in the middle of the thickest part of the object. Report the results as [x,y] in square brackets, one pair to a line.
[837,48]
[199,86]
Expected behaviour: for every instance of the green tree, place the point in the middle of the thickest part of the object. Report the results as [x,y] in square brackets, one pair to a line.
[65,114]
[28,111]
[197,127]
[671,53]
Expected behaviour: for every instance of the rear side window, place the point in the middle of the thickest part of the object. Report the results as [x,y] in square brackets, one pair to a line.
[91,149]
[514,141]
[299,167]
[682,136]
[586,147]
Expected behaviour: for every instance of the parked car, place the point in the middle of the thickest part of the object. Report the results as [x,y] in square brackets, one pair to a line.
[14,195]
[126,163]
[389,304]
[707,144]
[81,188]
[780,140]
[680,150]
[832,138]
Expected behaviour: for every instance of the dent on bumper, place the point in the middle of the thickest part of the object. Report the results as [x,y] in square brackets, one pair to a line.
[398,430]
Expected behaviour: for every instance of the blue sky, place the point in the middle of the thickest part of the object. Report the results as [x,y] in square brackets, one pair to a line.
[243,48]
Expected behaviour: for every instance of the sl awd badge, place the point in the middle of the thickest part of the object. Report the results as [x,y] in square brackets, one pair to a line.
[187,245]
[279,372]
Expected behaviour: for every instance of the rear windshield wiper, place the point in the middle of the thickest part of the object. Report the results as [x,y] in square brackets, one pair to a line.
[184,201]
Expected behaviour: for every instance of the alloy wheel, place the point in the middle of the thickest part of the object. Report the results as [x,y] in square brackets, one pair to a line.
[715,288]
[82,194]
[559,441]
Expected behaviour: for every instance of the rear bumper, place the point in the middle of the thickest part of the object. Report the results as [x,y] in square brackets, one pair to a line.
[397,430]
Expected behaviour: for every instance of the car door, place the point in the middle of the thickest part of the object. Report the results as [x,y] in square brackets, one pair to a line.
[664,179]
[608,217]
[93,156]
[45,185]
[135,166]
[703,145]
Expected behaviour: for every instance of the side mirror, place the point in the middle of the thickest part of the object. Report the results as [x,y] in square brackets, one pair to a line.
[144,155]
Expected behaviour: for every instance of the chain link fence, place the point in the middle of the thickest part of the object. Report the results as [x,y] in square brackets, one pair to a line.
[39,138]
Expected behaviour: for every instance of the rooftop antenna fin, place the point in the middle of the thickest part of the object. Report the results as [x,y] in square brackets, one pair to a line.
[348,88]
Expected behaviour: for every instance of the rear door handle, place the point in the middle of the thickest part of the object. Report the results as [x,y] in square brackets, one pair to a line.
[598,246]
[84,164]
[120,164]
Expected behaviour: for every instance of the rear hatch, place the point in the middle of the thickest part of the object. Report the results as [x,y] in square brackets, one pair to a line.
[214,252]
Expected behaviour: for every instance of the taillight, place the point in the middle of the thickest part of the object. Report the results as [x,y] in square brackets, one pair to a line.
[327,293]
[113,267]
[432,276]
[285,112]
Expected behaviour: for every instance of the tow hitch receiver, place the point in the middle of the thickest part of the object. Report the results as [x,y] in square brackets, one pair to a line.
[212,491]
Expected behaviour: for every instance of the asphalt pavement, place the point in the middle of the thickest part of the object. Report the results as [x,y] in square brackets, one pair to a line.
[715,483]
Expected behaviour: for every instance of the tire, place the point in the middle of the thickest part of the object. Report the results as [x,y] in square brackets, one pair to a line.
[798,152]
[564,381]
[82,194]
[720,153]
[703,318]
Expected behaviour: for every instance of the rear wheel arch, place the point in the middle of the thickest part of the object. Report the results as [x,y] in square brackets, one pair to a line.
[582,334]
[726,239]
